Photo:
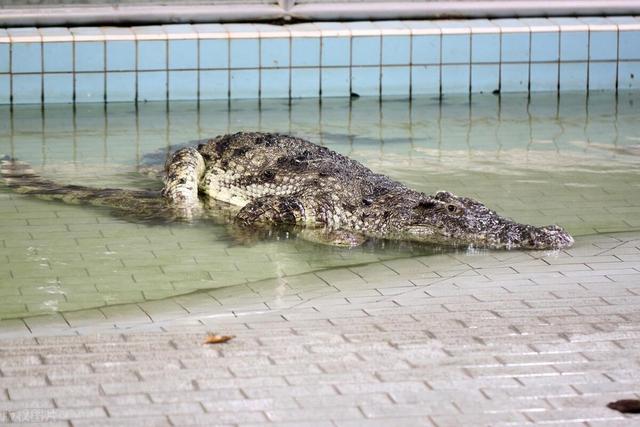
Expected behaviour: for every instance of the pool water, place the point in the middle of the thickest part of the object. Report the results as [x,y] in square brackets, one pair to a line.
[572,160]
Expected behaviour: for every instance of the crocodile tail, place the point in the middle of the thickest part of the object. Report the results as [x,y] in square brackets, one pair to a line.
[21,178]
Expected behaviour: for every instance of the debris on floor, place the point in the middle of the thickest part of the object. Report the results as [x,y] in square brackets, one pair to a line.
[626,406]
[213,338]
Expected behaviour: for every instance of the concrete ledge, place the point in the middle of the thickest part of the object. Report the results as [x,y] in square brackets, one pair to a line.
[132,14]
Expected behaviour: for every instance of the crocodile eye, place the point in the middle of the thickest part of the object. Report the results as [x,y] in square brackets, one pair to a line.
[452,208]
[268,175]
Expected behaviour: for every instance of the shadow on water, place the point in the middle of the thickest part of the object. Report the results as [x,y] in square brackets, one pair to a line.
[571,160]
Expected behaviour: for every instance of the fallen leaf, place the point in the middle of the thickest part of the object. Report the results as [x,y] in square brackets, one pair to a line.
[217,339]
[626,406]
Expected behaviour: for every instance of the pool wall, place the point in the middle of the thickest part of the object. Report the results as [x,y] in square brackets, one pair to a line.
[323,59]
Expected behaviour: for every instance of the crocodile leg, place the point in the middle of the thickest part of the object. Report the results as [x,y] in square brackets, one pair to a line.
[290,211]
[275,210]
[342,238]
[183,172]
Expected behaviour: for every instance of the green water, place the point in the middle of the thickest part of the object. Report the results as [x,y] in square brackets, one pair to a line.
[571,160]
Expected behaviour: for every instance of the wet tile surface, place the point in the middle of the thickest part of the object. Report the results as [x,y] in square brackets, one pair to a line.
[502,337]
[538,160]
[373,336]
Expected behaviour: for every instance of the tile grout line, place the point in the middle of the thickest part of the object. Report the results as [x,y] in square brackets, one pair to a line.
[382,33]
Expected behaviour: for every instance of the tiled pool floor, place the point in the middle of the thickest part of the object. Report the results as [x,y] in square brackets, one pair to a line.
[500,338]
[384,337]
[541,160]
[599,266]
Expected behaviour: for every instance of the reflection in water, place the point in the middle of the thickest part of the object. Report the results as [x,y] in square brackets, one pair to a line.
[118,134]
[570,160]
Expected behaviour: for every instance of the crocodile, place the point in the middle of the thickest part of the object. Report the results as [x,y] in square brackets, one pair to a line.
[259,181]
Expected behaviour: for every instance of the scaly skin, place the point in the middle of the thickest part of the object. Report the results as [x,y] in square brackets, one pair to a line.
[277,180]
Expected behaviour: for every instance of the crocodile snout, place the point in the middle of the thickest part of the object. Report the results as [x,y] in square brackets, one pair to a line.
[547,237]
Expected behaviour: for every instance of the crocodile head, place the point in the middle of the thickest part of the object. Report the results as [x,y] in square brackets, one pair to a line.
[451,219]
